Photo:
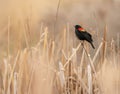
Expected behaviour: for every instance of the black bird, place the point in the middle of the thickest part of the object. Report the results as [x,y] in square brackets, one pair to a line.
[82,34]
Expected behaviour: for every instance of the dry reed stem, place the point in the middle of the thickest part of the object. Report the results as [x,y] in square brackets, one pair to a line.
[41,29]
[118,42]
[12,72]
[56,16]
[72,55]
[30,79]
[26,71]
[23,56]
[64,57]
[118,46]
[91,62]
[42,35]
[27,29]
[45,39]
[26,39]
[68,39]
[15,83]
[89,79]
[5,76]
[83,84]
[81,62]
[61,74]
[113,53]
[97,52]
[64,39]
[104,43]
[64,54]
[53,49]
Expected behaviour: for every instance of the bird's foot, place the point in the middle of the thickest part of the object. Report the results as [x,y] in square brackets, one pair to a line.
[82,44]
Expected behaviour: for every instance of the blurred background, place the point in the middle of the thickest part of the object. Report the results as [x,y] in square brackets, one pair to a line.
[34,45]
[18,16]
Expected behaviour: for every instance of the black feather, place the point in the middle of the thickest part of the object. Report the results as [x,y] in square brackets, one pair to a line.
[83,35]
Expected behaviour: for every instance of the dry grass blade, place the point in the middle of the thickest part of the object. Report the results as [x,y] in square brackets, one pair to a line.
[26,39]
[58,6]
[64,55]
[15,83]
[31,77]
[12,72]
[81,63]
[89,79]
[61,74]
[45,39]
[104,42]
[5,75]
[91,62]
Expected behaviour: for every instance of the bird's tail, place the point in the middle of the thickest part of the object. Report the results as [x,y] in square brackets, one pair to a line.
[92,45]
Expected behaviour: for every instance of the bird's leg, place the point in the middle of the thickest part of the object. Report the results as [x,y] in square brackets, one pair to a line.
[82,43]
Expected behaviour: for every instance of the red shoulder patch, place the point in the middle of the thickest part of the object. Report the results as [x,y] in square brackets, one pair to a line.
[81,29]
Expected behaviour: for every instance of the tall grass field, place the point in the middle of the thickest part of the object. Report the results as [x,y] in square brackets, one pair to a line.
[40,54]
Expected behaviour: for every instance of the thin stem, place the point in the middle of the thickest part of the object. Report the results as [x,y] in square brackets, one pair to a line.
[91,62]
[58,6]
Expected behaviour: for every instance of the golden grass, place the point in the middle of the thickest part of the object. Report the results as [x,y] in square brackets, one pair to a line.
[41,61]
[48,69]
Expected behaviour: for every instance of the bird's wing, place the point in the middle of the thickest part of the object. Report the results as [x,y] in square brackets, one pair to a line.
[88,36]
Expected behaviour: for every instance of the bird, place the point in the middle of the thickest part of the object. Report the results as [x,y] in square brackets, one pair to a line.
[82,34]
